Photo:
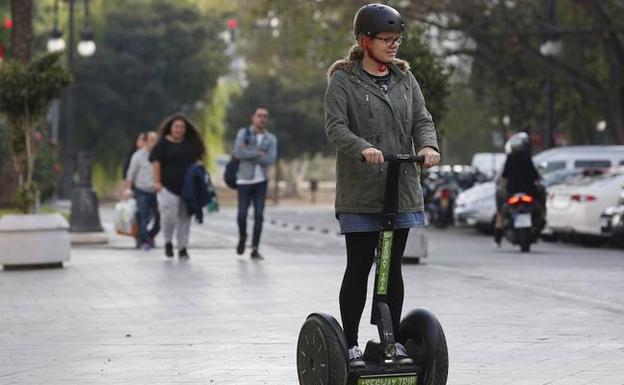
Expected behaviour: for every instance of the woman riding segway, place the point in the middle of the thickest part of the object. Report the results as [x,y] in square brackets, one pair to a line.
[373,105]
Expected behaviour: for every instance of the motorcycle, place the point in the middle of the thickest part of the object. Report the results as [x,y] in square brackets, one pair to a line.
[522,222]
[440,197]
[441,188]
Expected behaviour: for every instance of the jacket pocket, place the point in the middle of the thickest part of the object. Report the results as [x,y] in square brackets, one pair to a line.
[366,172]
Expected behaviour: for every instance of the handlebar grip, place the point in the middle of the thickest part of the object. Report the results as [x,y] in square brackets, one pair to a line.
[400,158]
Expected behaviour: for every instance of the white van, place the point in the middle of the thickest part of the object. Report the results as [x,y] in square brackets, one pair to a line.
[574,157]
[488,163]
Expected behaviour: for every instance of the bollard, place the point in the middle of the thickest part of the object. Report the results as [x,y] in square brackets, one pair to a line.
[313,189]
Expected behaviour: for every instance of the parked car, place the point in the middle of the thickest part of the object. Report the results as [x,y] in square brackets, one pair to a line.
[477,206]
[612,221]
[575,207]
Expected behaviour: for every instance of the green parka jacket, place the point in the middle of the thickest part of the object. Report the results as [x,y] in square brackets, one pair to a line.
[359,115]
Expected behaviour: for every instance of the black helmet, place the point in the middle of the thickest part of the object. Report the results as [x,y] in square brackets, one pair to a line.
[372,19]
[518,143]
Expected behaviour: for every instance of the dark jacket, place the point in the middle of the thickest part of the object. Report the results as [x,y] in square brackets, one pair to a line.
[520,173]
[359,115]
[198,191]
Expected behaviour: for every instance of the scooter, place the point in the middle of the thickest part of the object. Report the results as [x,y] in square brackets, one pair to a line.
[441,204]
[322,346]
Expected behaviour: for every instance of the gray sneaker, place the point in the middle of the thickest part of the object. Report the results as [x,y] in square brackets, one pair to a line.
[400,356]
[356,359]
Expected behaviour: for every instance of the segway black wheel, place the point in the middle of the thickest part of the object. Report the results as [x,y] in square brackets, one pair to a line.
[321,352]
[422,335]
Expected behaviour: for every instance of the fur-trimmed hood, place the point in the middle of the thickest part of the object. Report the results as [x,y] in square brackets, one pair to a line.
[357,54]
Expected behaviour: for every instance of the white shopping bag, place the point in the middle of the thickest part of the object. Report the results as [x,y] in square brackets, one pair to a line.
[125,217]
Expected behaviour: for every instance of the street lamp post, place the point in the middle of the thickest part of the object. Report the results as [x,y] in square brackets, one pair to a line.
[550,49]
[84,215]
[86,48]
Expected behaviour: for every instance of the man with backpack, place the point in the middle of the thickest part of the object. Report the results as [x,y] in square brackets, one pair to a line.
[256,149]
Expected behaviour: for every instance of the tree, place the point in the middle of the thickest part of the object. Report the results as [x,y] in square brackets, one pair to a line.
[430,72]
[25,95]
[157,60]
[509,72]
[22,35]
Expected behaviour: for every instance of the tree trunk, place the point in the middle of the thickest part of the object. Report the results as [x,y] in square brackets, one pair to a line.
[21,34]
[615,116]
[296,174]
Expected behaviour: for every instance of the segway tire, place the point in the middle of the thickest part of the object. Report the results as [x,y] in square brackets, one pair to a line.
[422,335]
[321,352]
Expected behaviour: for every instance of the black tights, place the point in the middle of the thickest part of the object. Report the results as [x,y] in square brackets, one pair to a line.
[360,258]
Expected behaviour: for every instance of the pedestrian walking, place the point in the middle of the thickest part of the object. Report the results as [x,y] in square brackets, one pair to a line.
[256,150]
[180,147]
[140,176]
[373,105]
[138,141]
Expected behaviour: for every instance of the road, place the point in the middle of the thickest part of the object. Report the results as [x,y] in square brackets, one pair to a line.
[554,311]
[115,315]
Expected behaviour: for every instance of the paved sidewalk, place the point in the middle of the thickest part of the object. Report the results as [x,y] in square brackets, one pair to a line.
[116,315]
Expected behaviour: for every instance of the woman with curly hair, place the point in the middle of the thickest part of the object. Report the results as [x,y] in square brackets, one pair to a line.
[179,147]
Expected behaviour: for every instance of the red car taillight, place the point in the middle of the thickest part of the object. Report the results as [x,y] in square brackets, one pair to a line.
[583,198]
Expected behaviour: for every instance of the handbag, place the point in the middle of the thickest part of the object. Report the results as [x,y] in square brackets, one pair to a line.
[231,168]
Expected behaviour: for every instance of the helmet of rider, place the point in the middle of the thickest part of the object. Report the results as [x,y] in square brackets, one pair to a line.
[518,143]
[372,19]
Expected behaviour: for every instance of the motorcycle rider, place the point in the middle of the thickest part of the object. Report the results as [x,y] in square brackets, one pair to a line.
[519,176]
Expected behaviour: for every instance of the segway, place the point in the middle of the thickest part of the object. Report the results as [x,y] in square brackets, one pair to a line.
[322,346]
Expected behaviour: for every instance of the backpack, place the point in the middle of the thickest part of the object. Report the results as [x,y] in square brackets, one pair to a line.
[231,168]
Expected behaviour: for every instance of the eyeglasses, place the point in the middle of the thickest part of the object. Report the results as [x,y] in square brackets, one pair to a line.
[390,40]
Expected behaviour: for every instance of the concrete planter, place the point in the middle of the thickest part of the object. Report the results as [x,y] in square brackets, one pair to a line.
[34,240]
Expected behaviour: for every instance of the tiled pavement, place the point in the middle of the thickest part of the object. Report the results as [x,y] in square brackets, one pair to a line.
[115,315]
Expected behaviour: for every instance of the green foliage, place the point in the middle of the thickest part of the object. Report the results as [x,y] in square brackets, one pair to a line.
[431,75]
[47,172]
[296,114]
[159,59]
[104,182]
[26,92]
[25,198]
[212,120]
[509,75]
[466,126]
